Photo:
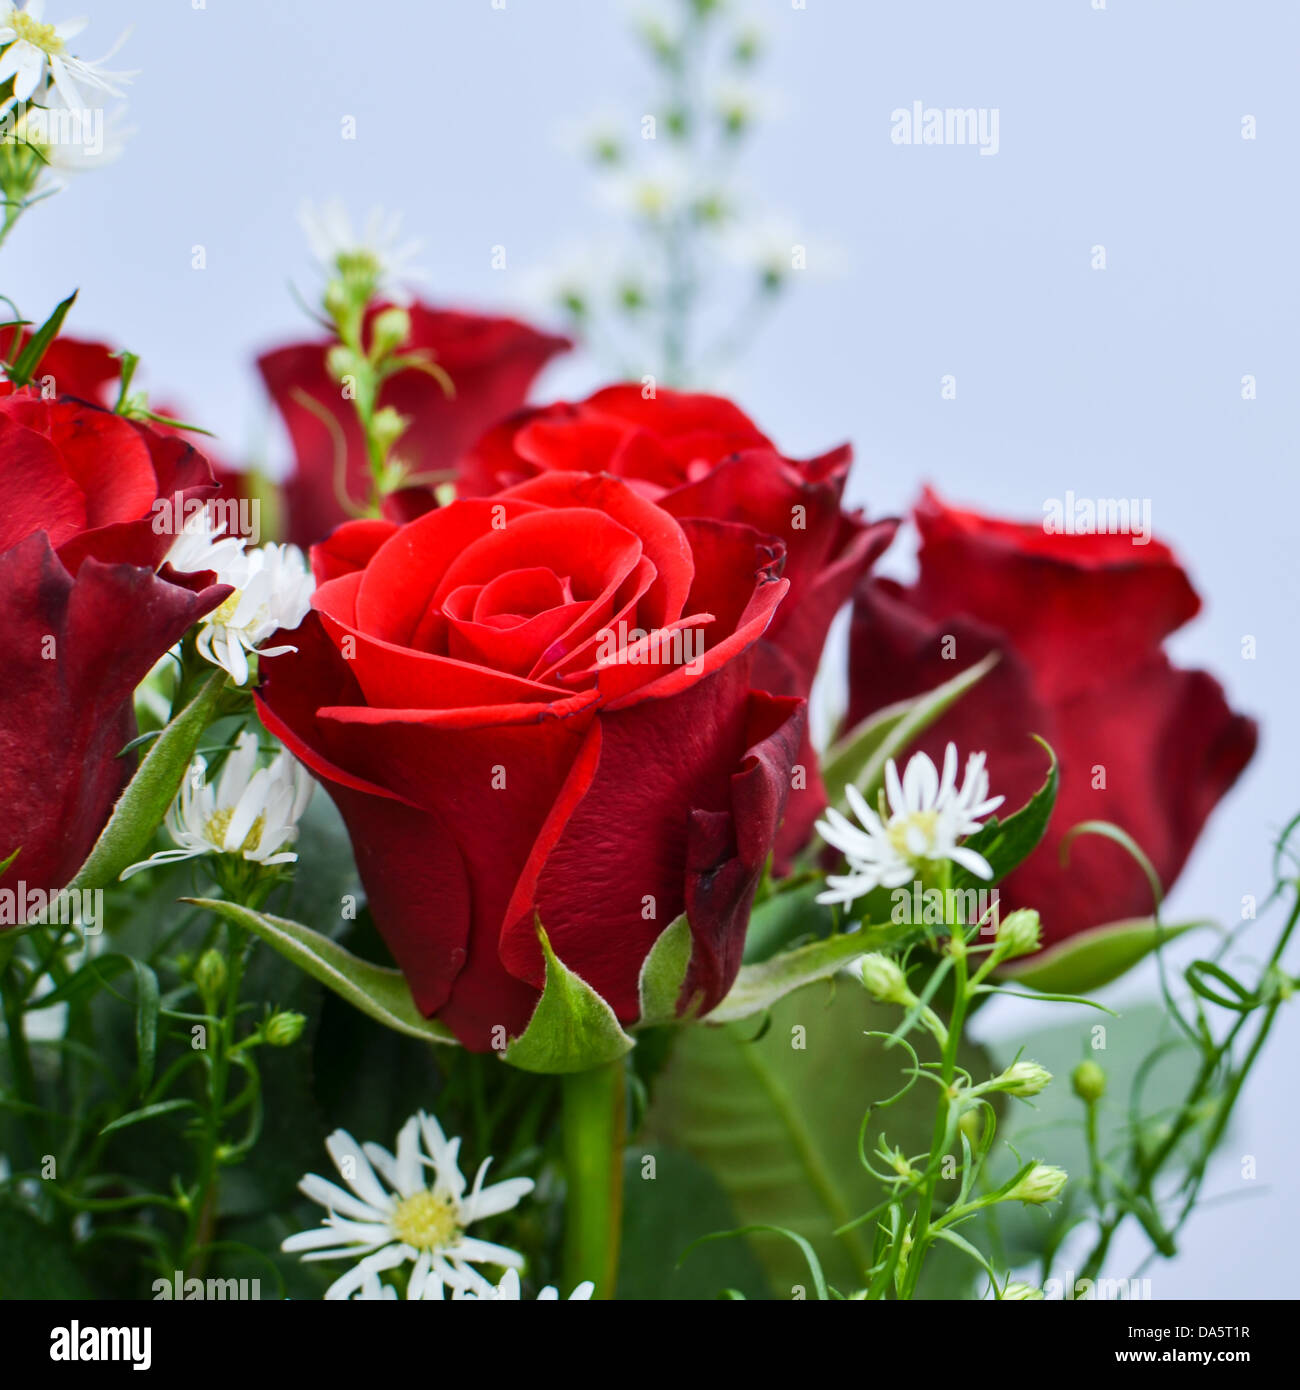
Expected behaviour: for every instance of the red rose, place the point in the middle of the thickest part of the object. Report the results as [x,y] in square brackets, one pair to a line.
[86,614]
[699,456]
[78,367]
[491,362]
[538,706]
[92,372]
[1079,621]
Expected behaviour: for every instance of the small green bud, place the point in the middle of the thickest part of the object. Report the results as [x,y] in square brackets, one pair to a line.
[1043,1183]
[210,974]
[341,361]
[971,1125]
[387,426]
[885,981]
[1020,1292]
[283,1029]
[336,298]
[391,328]
[1088,1081]
[1023,1079]
[1019,934]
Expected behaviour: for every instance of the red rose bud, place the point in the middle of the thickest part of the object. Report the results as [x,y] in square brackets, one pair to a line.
[1079,621]
[491,363]
[86,613]
[537,707]
[699,456]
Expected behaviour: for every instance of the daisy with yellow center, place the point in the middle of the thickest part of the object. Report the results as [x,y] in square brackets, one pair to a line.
[409,1207]
[272,593]
[252,811]
[33,49]
[926,817]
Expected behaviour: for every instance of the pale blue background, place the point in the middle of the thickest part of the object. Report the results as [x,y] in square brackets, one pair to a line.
[1119,127]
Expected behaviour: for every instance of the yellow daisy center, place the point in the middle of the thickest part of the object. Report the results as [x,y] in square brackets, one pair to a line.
[225,613]
[219,822]
[426,1221]
[925,821]
[29,30]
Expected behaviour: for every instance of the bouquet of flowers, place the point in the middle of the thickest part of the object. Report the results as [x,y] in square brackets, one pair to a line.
[420,878]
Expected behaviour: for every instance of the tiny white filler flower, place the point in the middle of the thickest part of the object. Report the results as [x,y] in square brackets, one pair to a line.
[411,1207]
[926,817]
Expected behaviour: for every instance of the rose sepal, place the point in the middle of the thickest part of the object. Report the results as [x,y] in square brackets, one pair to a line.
[572,1029]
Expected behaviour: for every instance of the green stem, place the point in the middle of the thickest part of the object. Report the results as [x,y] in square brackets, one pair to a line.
[924,1232]
[594,1133]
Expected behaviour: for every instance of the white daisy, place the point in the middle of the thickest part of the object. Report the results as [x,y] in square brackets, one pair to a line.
[393,1215]
[508,1291]
[252,811]
[82,140]
[926,817]
[376,255]
[273,586]
[35,48]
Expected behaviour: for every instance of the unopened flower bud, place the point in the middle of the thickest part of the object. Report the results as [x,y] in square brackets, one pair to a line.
[391,328]
[1023,1079]
[335,298]
[387,427]
[971,1125]
[1019,1291]
[210,974]
[1043,1183]
[885,981]
[1088,1081]
[340,361]
[283,1029]
[1019,934]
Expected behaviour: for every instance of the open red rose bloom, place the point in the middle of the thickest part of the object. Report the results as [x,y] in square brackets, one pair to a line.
[538,707]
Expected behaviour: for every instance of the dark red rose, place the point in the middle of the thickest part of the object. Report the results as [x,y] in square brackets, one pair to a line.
[699,456]
[474,692]
[86,613]
[491,362]
[1079,621]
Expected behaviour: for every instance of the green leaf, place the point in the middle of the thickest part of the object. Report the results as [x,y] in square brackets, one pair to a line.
[860,756]
[791,915]
[1095,957]
[664,1216]
[776,1119]
[5,863]
[760,986]
[1005,844]
[376,990]
[146,1023]
[29,359]
[663,973]
[147,1112]
[37,1261]
[139,811]
[572,1027]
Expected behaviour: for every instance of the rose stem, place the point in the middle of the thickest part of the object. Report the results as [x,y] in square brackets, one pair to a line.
[594,1132]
